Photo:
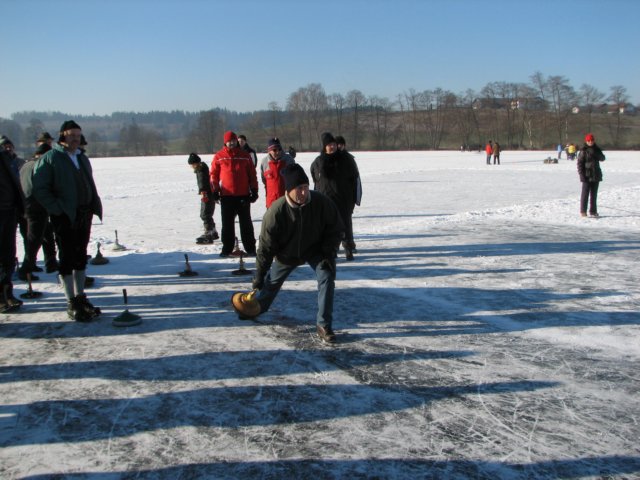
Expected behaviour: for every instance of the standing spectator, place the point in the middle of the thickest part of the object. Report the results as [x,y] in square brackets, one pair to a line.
[559,151]
[300,227]
[11,208]
[39,229]
[235,185]
[335,174]
[350,242]
[489,151]
[7,145]
[590,174]
[242,141]
[271,170]
[45,137]
[571,151]
[496,153]
[207,204]
[292,151]
[63,184]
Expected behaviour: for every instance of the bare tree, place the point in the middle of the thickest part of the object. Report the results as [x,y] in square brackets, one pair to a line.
[618,97]
[355,101]
[207,135]
[591,96]
[275,110]
[308,105]
[337,103]
[562,99]
[381,110]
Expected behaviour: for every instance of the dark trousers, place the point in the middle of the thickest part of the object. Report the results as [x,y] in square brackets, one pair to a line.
[39,234]
[206,215]
[589,195]
[8,225]
[72,240]
[230,207]
[346,213]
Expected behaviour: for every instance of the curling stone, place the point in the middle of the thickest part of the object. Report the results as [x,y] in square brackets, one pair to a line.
[246,305]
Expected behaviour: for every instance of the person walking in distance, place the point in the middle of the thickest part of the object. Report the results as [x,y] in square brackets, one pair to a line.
[590,174]
[207,204]
[235,185]
[496,153]
[63,184]
[489,151]
[300,227]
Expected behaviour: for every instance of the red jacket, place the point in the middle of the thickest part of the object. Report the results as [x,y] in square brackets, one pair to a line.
[271,171]
[488,149]
[233,173]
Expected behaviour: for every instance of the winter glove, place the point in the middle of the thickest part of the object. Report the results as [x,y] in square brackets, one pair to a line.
[253,196]
[328,264]
[205,197]
[216,196]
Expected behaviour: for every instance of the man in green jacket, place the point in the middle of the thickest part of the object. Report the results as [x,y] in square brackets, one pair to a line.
[63,184]
[301,227]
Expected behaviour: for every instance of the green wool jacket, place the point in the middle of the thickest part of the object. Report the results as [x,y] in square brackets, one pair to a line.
[54,184]
[295,234]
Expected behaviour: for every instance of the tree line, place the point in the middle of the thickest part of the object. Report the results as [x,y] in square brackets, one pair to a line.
[535,115]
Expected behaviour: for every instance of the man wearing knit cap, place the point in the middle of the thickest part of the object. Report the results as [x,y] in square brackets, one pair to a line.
[271,168]
[335,174]
[235,184]
[63,184]
[301,227]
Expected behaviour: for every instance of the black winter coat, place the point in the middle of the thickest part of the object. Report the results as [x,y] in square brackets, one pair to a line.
[589,160]
[202,176]
[336,176]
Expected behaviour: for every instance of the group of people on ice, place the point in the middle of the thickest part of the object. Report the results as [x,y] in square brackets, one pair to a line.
[300,225]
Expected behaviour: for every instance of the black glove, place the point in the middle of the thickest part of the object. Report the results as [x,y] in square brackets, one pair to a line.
[215,196]
[258,282]
[328,264]
[253,196]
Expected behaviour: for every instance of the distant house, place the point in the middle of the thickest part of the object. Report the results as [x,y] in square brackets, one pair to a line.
[622,109]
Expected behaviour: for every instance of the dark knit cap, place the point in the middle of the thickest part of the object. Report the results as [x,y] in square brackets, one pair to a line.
[42,149]
[69,125]
[273,143]
[340,140]
[44,137]
[327,138]
[294,176]
[193,158]
[5,141]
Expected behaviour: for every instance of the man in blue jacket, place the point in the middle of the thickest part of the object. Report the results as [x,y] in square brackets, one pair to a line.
[63,184]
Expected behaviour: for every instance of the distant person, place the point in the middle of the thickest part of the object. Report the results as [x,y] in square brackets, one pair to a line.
[559,151]
[301,227]
[489,151]
[292,151]
[271,167]
[39,228]
[234,183]
[242,141]
[496,153]
[571,151]
[335,174]
[590,174]
[207,204]
[11,208]
[349,242]
[44,137]
[63,184]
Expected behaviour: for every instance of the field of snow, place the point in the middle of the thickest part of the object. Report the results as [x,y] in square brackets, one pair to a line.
[485,330]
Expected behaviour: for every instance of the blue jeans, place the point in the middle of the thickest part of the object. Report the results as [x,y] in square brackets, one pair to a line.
[326,287]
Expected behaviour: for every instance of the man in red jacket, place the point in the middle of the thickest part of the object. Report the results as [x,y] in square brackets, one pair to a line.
[235,185]
[271,168]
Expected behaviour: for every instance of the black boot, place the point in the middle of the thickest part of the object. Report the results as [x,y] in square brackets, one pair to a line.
[77,311]
[8,303]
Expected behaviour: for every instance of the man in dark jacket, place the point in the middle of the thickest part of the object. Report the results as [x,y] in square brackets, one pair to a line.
[244,145]
[300,227]
[590,174]
[335,174]
[63,184]
[207,204]
[39,229]
[11,207]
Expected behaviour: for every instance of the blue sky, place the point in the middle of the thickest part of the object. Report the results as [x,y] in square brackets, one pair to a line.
[101,56]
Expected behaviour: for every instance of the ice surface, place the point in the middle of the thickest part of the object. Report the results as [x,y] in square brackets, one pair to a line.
[486,330]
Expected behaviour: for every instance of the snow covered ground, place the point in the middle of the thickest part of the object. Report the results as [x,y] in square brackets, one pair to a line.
[486,330]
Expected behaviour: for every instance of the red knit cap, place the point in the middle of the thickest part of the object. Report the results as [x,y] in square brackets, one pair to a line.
[589,137]
[228,136]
